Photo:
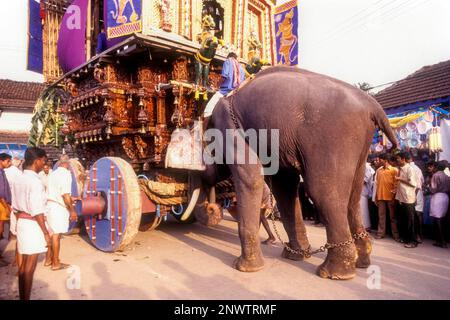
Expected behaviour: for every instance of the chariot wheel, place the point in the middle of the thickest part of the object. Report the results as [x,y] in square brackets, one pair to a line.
[115,180]
[78,179]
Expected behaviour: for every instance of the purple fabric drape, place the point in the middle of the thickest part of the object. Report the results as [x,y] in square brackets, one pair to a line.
[72,36]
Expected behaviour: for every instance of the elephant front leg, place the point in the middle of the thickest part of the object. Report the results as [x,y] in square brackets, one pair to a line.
[249,194]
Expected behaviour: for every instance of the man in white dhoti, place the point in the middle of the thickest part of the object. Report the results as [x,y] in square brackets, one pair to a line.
[365,195]
[59,209]
[28,202]
[420,201]
[439,187]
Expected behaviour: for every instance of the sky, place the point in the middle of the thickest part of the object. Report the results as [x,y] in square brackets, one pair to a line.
[374,41]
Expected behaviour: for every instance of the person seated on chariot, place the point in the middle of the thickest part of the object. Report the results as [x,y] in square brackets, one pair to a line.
[101,40]
[233,74]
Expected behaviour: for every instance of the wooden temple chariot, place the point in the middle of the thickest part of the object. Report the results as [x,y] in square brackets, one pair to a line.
[121,107]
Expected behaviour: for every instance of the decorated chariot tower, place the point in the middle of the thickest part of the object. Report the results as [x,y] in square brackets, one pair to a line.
[123,76]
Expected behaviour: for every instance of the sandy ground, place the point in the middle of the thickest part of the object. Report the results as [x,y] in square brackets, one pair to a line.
[194,262]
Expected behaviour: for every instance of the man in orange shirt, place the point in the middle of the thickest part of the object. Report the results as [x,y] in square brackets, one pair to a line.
[385,196]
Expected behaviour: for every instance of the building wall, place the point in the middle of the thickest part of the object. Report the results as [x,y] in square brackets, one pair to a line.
[15,121]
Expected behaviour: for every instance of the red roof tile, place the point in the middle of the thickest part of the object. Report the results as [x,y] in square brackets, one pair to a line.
[14,137]
[430,82]
[19,95]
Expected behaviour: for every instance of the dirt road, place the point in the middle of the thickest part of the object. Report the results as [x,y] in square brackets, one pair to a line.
[194,262]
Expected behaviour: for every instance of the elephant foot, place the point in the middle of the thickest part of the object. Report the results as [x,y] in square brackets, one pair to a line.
[247,265]
[293,255]
[363,250]
[339,264]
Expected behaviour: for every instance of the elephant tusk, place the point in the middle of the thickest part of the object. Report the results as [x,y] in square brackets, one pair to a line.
[192,203]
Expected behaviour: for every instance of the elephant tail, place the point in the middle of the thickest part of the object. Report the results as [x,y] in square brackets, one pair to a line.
[381,120]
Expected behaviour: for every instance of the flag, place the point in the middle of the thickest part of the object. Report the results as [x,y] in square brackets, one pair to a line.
[286,31]
[123,17]
[72,36]
[35,53]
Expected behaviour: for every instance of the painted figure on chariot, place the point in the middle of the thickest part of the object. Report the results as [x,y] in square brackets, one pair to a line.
[288,39]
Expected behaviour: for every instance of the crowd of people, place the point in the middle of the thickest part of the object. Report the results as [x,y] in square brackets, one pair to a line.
[37,205]
[396,188]
[395,194]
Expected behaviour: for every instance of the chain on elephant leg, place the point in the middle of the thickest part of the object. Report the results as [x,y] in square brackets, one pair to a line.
[251,259]
[340,263]
[295,252]
[363,250]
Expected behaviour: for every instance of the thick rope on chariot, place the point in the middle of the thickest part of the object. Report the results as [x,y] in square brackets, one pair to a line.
[167,194]
[226,195]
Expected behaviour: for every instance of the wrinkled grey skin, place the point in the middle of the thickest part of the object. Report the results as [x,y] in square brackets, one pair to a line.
[326,129]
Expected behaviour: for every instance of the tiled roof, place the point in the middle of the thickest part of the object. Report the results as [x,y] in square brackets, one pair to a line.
[430,82]
[19,95]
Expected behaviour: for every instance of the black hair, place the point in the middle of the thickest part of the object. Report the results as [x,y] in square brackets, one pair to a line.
[384,156]
[4,156]
[404,155]
[407,155]
[31,154]
[445,163]
[431,163]
[441,165]
[232,55]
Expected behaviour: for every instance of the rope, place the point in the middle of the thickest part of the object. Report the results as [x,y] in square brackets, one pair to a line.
[168,199]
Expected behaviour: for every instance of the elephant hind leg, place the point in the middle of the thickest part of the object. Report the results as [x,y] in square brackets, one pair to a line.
[285,190]
[331,200]
[363,245]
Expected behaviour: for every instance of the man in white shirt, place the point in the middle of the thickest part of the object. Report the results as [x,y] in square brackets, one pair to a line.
[28,203]
[366,194]
[406,195]
[59,209]
[44,174]
[420,201]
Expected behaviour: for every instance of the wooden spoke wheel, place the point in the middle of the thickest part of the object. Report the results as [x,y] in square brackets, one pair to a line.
[78,179]
[117,182]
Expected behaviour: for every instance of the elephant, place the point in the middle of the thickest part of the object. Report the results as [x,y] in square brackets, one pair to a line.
[325,131]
